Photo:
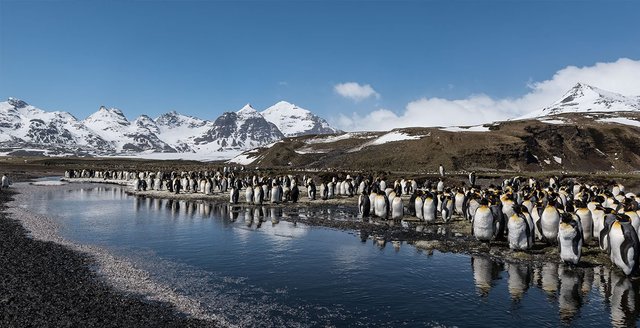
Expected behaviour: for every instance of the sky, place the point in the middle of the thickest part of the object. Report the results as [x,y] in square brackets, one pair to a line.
[362,65]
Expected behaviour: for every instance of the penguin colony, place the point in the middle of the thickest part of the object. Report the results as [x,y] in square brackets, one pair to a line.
[521,211]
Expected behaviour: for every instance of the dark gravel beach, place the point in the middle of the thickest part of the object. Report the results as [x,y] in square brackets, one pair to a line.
[43,284]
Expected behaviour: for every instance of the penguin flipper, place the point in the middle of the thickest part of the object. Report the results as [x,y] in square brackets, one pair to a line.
[603,233]
[539,226]
[624,249]
[574,243]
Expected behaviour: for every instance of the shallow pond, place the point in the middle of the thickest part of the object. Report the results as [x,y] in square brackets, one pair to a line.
[255,266]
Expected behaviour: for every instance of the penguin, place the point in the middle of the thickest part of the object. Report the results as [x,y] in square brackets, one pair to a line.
[418,203]
[275,194]
[570,239]
[381,205]
[519,235]
[372,202]
[459,202]
[258,195]
[625,246]
[324,191]
[483,222]
[311,190]
[585,219]
[472,179]
[234,194]
[364,205]
[447,208]
[330,190]
[248,194]
[429,208]
[294,194]
[397,209]
[549,222]
[603,236]
[441,170]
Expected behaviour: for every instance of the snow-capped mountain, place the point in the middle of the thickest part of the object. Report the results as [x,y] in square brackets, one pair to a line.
[113,126]
[29,127]
[295,121]
[241,130]
[584,98]
[109,132]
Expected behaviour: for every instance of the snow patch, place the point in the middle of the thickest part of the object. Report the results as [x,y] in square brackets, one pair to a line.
[620,120]
[550,121]
[474,128]
[557,159]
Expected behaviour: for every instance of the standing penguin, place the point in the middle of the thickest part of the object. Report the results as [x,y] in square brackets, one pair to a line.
[364,205]
[381,205]
[447,208]
[603,236]
[441,170]
[585,219]
[549,222]
[418,203]
[234,194]
[397,209]
[248,194]
[483,222]
[294,194]
[520,237]
[570,239]
[472,178]
[311,190]
[625,247]
[429,208]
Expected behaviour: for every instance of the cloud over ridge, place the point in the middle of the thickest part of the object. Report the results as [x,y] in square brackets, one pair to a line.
[621,76]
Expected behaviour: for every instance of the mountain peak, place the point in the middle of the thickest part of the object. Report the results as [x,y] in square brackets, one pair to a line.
[17,103]
[584,98]
[247,108]
[295,121]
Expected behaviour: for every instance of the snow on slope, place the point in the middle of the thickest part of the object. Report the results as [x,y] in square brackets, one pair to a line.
[296,121]
[584,98]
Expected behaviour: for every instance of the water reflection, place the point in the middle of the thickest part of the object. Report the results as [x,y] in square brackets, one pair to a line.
[566,286]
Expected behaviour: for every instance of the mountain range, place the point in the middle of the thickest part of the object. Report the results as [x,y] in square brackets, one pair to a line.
[24,127]
[586,130]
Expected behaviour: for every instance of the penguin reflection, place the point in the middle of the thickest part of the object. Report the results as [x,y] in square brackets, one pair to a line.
[485,272]
[519,280]
[625,300]
[570,299]
[546,277]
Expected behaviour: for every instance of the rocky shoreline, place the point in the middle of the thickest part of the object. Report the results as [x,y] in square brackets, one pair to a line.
[46,281]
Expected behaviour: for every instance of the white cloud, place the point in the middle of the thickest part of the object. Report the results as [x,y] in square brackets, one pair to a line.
[621,76]
[355,91]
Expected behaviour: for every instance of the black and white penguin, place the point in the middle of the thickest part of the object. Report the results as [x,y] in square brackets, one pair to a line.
[472,179]
[418,204]
[429,208]
[603,235]
[364,204]
[248,194]
[585,219]
[625,246]
[258,195]
[234,195]
[549,222]
[519,235]
[483,222]
[311,190]
[294,194]
[381,205]
[397,209]
[570,238]
[447,207]
[441,170]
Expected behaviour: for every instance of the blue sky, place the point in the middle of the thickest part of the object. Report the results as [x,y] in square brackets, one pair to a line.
[206,57]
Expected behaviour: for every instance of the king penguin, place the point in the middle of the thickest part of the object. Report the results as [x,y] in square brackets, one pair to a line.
[625,247]
[520,237]
[483,222]
[570,239]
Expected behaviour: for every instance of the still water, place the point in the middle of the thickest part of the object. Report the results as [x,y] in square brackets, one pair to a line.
[255,267]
